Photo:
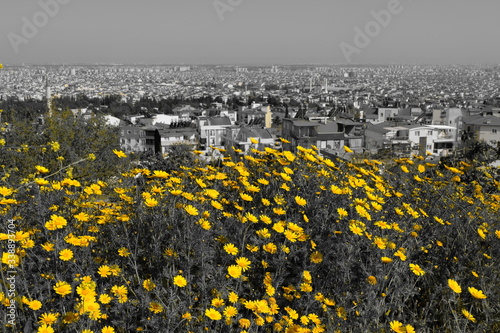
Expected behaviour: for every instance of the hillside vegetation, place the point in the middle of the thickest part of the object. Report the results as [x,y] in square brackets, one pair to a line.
[270,242]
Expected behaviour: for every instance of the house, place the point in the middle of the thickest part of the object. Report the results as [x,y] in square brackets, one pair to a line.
[184,112]
[437,139]
[166,119]
[353,132]
[132,139]
[139,139]
[112,121]
[261,115]
[381,115]
[483,128]
[211,131]
[374,137]
[152,139]
[170,137]
[240,137]
[134,119]
[307,133]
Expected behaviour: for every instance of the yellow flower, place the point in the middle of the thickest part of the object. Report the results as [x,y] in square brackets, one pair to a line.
[108,329]
[180,281]
[279,211]
[218,302]
[41,169]
[83,217]
[468,315]
[155,307]
[409,329]
[316,257]
[416,269]
[292,313]
[244,263]
[230,311]
[119,290]
[35,305]
[48,318]
[400,253]
[380,242]
[104,298]
[45,329]
[217,205]
[10,259]
[476,293]
[5,191]
[148,284]
[66,255]
[233,297]
[213,314]
[347,149]
[48,246]
[270,248]
[234,271]
[191,210]
[119,153]
[397,326]
[56,222]
[62,288]
[454,286]
[342,212]
[252,248]
[231,249]
[386,260]
[123,252]
[246,197]
[104,271]
[151,202]
[263,233]
[244,323]
[300,201]
[372,280]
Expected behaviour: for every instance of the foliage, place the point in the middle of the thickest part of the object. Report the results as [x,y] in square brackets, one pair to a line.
[57,141]
[274,242]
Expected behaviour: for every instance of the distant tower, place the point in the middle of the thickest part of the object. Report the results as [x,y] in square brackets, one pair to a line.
[326,86]
[48,95]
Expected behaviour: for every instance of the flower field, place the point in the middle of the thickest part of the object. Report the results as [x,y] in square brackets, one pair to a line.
[270,242]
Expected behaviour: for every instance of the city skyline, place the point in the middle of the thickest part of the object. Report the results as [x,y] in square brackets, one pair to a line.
[242,32]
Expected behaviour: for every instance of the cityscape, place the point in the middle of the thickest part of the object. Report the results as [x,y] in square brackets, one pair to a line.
[395,109]
[247,166]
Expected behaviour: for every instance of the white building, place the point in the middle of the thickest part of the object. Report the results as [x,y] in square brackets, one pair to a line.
[436,139]
[112,121]
[166,119]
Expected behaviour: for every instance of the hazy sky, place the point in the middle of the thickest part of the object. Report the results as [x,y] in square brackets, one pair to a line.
[249,31]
